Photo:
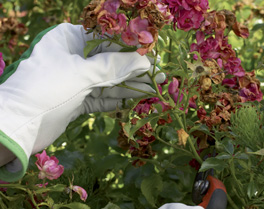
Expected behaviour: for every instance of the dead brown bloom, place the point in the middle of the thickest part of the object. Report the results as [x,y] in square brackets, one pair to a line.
[217,74]
[152,13]
[90,13]
[183,136]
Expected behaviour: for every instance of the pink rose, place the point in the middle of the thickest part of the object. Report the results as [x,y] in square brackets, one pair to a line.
[251,93]
[208,48]
[48,166]
[111,5]
[111,23]
[189,19]
[81,192]
[2,64]
[233,67]
[137,32]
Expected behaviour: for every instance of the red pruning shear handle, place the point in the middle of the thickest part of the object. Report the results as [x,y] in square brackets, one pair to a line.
[208,191]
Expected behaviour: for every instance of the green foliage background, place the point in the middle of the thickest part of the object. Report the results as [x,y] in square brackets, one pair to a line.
[89,150]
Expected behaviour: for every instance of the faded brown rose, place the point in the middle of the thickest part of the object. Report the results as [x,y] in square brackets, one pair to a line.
[154,16]
[216,73]
[90,13]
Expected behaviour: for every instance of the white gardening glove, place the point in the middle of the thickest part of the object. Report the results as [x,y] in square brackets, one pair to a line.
[179,206]
[45,90]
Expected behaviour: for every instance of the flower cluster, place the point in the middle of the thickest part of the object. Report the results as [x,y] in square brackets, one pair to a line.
[10,30]
[50,169]
[188,14]
[136,21]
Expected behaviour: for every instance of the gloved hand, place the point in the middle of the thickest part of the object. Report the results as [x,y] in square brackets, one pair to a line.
[47,88]
[179,206]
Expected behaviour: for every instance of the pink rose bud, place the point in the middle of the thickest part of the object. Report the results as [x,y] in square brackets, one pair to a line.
[48,166]
[174,85]
[2,64]
[81,192]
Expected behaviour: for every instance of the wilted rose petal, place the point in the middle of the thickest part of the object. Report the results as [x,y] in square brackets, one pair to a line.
[173,86]
[81,192]
[2,64]
[183,136]
[111,5]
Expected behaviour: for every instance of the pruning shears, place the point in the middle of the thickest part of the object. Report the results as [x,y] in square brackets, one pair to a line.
[208,191]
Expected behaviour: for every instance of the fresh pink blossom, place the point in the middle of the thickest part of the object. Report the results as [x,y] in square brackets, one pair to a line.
[81,192]
[48,166]
[2,64]
[112,23]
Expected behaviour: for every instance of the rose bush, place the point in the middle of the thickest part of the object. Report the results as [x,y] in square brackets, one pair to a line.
[207,114]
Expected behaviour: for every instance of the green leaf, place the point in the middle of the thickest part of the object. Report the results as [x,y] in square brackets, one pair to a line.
[74,205]
[128,49]
[163,35]
[228,146]
[259,152]
[158,107]
[223,156]
[111,206]
[252,189]
[214,163]
[258,26]
[171,134]
[151,186]
[242,156]
[91,45]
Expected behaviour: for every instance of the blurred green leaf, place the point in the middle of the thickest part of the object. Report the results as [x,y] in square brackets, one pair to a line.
[92,44]
[214,163]
[151,186]
[111,206]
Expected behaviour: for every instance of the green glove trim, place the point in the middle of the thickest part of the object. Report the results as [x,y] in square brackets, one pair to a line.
[12,68]
[4,139]
[21,155]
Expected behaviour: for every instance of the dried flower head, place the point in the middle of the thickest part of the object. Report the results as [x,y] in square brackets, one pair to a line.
[90,13]
[216,73]
[198,68]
